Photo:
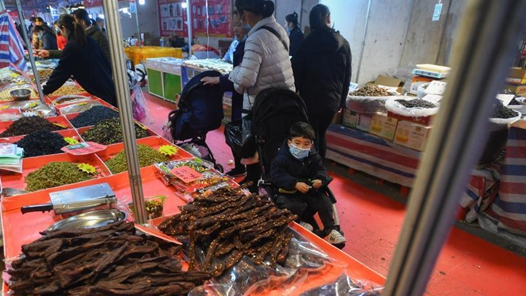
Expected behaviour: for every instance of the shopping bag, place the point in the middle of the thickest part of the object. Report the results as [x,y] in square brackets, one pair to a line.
[239,136]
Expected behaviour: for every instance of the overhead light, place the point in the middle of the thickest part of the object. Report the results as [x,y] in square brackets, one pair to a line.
[184,5]
[142,2]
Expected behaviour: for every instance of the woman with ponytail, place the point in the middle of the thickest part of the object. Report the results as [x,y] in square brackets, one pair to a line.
[295,34]
[266,62]
[83,60]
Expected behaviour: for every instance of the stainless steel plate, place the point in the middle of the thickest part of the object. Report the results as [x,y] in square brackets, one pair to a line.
[89,220]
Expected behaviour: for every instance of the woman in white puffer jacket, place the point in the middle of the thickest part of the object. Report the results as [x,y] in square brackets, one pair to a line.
[266,62]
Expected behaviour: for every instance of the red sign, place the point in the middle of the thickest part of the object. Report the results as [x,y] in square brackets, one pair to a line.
[83,148]
[186,174]
[213,18]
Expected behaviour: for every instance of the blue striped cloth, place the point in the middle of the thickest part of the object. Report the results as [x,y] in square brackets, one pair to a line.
[11,49]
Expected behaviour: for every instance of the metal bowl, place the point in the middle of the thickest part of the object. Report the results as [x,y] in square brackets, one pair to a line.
[21,94]
[92,219]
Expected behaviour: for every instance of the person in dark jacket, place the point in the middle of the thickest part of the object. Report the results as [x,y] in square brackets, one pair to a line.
[46,37]
[295,34]
[93,30]
[84,60]
[322,72]
[299,173]
[237,98]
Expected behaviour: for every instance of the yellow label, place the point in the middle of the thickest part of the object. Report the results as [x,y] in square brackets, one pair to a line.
[168,150]
[32,105]
[59,125]
[87,168]
[71,141]
[141,125]
[4,107]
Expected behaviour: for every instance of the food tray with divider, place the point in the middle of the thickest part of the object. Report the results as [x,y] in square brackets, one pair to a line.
[153,141]
[57,120]
[30,164]
[67,133]
[82,130]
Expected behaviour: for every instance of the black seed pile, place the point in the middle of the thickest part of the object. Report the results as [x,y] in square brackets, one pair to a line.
[93,116]
[500,111]
[27,125]
[416,103]
[41,143]
[514,102]
[109,131]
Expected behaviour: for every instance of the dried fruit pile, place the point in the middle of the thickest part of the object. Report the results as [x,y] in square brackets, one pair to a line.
[229,224]
[42,143]
[55,174]
[370,90]
[416,103]
[27,125]
[147,156]
[110,260]
[501,111]
[68,90]
[93,116]
[110,132]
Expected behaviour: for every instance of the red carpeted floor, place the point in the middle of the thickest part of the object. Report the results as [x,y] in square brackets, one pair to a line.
[468,265]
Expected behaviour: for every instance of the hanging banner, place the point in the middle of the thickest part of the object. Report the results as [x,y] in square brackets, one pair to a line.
[172,18]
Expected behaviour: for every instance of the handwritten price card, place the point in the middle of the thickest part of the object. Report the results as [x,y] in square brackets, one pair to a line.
[186,174]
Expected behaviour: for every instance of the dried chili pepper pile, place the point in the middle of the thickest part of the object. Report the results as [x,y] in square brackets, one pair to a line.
[27,125]
[230,224]
[110,260]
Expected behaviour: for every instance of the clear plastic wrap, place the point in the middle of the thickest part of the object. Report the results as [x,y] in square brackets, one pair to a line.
[70,99]
[139,106]
[368,105]
[78,107]
[346,286]
[393,106]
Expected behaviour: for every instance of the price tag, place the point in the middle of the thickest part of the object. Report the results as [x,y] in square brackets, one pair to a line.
[435,99]
[437,12]
[186,174]
[83,148]
[436,88]
[506,99]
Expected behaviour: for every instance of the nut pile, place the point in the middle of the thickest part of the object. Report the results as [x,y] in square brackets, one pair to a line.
[55,174]
[110,132]
[43,74]
[370,90]
[416,103]
[147,156]
[42,143]
[93,116]
[27,125]
[68,90]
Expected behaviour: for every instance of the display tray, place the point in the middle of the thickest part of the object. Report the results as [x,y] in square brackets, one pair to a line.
[68,133]
[30,164]
[153,141]
[82,130]
[22,229]
[59,120]
[51,99]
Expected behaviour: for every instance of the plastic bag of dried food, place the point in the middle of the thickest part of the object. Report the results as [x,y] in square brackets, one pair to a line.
[77,107]
[139,106]
[69,99]
[422,108]
[346,286]
[367,104]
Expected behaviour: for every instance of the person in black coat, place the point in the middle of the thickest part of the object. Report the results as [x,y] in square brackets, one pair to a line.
[298,173]
[322,73]
[47,38]
[83,60]
[295,34]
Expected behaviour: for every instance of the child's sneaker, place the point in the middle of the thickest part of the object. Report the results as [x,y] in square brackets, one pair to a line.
[307,226]
[335,237]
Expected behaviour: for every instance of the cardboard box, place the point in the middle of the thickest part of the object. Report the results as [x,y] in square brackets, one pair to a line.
[364,122]
[383,126]
[350,118]
[518,89]
[411,135]
[389,81]
[517,76]
[425,120]
[418,80]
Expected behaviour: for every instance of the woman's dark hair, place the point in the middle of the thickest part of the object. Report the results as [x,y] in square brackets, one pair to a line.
[264,8]
[76,32]
[302,129]
[43,28]
[292,18]
[318,18]
[82,14]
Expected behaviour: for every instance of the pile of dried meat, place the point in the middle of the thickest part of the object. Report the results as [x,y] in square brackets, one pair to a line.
[110,260]
[228,224]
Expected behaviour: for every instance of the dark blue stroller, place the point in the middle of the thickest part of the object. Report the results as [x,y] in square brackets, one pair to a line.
[200,110]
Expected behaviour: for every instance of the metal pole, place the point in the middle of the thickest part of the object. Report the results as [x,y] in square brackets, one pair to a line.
[29,51]
[2,5]
[125,109]
[363,40]
[484,51]
[189,23]
[138,26]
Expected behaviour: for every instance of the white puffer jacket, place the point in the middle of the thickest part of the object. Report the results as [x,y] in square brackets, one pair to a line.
[265,64]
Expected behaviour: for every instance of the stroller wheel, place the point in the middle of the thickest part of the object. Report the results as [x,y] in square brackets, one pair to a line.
[219,167]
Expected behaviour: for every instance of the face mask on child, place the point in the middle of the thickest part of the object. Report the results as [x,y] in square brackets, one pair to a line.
[297,152]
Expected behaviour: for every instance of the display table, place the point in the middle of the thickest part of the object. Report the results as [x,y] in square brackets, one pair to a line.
[140,54]
[164,77]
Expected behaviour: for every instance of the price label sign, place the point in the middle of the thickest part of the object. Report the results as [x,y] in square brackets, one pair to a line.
[83,148]
[186,174]
[437,12]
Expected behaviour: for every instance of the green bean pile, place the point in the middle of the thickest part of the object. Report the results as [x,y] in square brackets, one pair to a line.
[147,156]
[109,131]
[55,174]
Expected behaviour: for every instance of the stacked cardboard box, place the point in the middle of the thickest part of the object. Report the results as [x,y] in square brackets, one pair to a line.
[516,81]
